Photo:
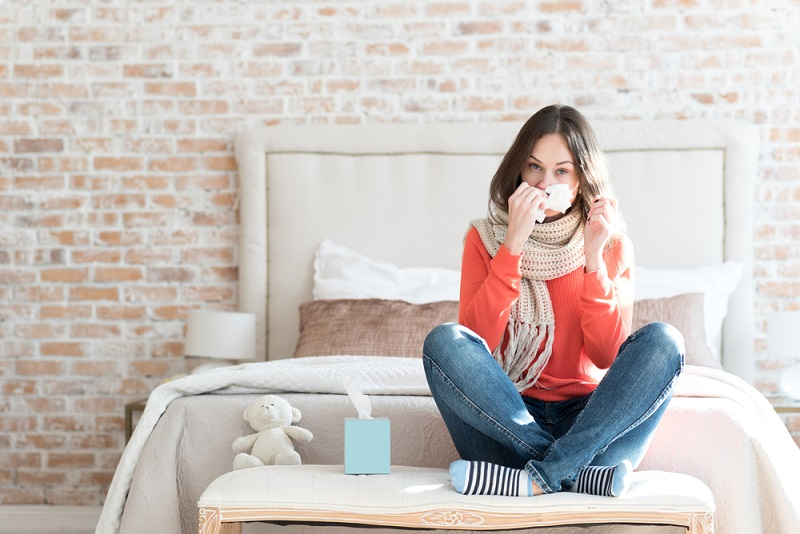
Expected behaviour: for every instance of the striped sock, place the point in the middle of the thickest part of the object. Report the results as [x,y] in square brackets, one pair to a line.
[607,481]
[484,478]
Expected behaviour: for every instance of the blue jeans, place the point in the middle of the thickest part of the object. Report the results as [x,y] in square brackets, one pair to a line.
[490,421]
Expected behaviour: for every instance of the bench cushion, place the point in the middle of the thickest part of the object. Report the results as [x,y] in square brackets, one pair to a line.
[424,497]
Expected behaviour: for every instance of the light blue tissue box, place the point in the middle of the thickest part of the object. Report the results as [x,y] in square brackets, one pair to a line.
[367,446]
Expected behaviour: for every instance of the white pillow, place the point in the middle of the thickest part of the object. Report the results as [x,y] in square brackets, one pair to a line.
[716,282]
[340,273]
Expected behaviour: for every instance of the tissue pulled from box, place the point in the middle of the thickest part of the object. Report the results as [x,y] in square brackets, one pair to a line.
[359,400]
[559,199]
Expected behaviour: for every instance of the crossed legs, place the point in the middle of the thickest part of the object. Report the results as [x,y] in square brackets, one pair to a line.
[489,421]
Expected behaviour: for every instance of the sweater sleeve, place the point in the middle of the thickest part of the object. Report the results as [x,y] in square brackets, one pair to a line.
[489,287]
[607,304]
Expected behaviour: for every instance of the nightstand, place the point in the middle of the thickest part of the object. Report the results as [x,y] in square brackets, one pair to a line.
[789,412]
[784,405]
[132,409]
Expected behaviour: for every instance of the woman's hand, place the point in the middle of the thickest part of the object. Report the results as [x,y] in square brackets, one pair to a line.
[523,205]
[602,214]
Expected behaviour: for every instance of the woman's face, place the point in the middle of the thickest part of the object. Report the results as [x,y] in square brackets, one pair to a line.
[551,162]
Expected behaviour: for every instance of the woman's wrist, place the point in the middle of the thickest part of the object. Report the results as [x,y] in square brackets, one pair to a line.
[593,262]
[516,251]
[513,245]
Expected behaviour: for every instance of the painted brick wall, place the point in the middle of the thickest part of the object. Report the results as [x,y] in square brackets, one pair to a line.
[118,181]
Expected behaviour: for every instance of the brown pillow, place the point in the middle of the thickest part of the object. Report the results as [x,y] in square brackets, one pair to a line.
[684,312]
[369,326]
[397,328]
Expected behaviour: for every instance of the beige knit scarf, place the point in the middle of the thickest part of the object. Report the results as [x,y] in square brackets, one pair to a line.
[552,250]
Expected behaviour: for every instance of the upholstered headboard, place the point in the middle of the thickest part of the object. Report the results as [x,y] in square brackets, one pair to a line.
[404,193]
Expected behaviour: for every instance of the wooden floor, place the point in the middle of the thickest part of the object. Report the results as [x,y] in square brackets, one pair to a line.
[21,519]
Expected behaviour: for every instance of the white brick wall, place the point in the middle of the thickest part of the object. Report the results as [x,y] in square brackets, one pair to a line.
[117,176]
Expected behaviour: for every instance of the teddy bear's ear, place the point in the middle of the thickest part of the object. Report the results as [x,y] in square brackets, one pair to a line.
[295,415]
[246,413]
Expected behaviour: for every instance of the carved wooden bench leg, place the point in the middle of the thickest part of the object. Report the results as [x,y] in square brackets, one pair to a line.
[210,522]
[701,524]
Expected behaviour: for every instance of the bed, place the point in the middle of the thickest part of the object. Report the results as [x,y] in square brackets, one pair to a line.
[343,223]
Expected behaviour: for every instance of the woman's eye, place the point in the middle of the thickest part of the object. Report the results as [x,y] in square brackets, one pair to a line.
[562,171]
[535,167]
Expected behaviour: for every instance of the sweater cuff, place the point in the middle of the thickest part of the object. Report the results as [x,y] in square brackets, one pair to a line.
[507,265]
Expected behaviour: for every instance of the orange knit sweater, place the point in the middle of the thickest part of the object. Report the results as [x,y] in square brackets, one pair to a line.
[593,313]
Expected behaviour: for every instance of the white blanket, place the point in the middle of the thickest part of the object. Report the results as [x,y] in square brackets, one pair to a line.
[320,374]
[754,473]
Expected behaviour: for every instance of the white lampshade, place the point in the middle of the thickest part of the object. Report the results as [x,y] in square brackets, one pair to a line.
[221,335]
[783,343]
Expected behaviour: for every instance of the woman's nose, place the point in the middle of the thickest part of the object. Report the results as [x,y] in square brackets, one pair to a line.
[547,180]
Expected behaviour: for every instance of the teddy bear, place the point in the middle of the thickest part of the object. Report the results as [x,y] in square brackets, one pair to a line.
[271,417]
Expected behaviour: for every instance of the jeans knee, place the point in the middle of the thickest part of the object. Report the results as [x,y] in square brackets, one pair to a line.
[666,341]
[437,339]
[450,342]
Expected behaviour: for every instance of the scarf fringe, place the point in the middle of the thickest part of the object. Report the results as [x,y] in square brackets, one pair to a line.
[524,340]
[553,249]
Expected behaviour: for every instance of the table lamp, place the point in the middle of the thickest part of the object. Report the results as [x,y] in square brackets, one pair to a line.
[221,336]
[783,343]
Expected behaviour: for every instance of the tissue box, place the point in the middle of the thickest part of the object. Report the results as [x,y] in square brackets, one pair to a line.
[367,446]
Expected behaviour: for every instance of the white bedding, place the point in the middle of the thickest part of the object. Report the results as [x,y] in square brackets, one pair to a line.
[394,376]
[718,428]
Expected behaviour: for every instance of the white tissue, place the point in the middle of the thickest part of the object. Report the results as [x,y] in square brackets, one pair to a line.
[558,199]
[359,400]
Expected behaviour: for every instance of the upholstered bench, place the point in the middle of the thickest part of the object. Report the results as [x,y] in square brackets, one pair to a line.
[423,498]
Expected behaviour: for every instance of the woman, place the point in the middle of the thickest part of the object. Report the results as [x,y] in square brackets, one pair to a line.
[542,385]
